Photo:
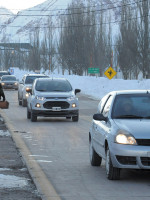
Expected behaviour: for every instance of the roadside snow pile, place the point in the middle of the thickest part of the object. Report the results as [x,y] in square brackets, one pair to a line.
[4,133]
[9,181]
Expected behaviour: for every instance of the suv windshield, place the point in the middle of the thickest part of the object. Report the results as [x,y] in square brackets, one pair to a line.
[131,106]
[53,86]
[30,79]
[8,78]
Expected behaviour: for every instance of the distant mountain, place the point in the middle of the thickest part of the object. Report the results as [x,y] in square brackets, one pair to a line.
[19,28]
[5,15]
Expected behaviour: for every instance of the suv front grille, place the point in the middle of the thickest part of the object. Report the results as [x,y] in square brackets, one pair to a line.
[51,104]
[56,97]
[145,161]
[143,142]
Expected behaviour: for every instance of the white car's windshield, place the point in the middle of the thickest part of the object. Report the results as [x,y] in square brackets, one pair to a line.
[8,78]
[53,86]
[131,106]
[30,79]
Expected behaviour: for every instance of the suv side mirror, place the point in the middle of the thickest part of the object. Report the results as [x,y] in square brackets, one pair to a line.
[77,91]
[100,117]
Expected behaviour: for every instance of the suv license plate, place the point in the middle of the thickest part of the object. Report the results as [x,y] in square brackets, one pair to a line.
[56,108]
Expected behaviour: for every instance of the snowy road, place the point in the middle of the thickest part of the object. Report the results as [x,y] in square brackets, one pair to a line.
[57,153]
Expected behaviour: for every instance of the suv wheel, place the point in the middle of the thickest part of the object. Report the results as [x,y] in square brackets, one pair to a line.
[20,102]
[112,173]
[95,159]
[28,114]
[75,118]
[24,103]
[33,117]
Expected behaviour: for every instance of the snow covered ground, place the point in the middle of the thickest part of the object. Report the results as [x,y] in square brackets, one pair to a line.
[94,86]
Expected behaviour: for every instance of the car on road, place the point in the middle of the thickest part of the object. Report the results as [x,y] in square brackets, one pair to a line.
[120,132]
[4,73]
[52,97]
[27,82]
[9,82]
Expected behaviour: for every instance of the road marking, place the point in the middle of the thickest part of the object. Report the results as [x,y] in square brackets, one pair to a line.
[43,185]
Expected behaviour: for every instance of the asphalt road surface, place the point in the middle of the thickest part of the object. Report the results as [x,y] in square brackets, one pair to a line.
[57,155]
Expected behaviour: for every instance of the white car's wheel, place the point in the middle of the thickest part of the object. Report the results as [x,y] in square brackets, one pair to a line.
[75,118]
[112,173]
[24,104]
[33,117]
[95,159]
[20,102]
[28,114]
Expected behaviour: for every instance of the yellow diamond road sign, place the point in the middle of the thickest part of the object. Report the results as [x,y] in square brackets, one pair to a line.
[110,73]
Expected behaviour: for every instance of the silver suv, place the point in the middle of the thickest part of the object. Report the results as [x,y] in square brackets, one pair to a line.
[52,97]
[26,82]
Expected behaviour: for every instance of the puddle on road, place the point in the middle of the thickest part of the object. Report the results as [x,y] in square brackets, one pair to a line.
[10,181]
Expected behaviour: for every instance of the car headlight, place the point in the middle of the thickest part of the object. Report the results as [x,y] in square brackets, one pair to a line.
[16,83]
[3,83]
[74,105]
[27,95]
[124,137]
[40,98]
[71,98]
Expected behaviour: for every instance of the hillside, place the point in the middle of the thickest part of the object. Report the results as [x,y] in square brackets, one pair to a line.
[20,27]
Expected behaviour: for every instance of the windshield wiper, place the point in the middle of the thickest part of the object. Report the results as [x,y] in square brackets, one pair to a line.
[41,90]
[128,117]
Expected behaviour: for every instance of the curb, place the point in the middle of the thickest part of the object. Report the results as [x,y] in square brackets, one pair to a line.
[44,187]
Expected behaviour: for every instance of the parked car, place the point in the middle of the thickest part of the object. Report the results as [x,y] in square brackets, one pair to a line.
[27,82]
[4,73]
[52,97]
[120,132]
[9,82]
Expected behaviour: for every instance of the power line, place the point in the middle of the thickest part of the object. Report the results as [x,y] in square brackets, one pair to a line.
[79,13]
[83,25]
[74,8]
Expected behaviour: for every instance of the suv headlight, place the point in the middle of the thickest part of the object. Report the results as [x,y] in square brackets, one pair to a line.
[71,98]
[40,98]
[123,137]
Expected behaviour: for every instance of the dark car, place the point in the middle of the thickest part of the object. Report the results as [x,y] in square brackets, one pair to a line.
[9,82]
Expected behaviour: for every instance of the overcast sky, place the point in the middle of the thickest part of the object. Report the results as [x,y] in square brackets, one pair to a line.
[16,5]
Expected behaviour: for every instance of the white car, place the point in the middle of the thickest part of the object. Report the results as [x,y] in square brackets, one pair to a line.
[52,97]
[27,82]
[120,132]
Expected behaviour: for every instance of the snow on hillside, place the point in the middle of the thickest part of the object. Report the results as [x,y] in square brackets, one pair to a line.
[23,24]
[93,86]
[25,21]
[5,15]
